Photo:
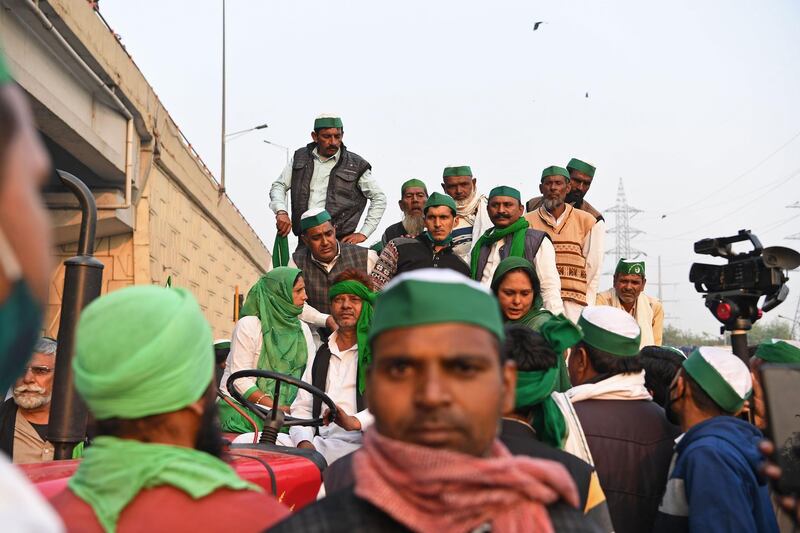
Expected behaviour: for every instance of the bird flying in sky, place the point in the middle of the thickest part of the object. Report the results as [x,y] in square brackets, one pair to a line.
[537,24]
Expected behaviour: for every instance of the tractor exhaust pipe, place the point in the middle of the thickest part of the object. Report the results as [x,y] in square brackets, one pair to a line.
[83,276]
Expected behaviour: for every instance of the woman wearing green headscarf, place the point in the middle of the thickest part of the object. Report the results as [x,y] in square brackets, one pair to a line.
[269,336]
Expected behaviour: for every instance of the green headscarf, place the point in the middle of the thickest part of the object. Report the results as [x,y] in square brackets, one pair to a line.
[536,316]
[114,471]
[492,235]
[141,351]
[357,288]
[533,390]
[284,349]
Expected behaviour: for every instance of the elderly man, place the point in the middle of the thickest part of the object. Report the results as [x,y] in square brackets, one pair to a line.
[629,437]
[472,220]
[325,175]
[432,249]
[714,483]
[144,365]
[437,387]
[24,416]
[323,258]
[25,263]
[511,236]
[578,258]
[628,295]
[413,195]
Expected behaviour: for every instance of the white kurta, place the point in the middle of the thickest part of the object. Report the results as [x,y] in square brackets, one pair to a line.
[544,263]
[246,343]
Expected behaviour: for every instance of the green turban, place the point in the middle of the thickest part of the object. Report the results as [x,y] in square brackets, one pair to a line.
[413,183]
[555,171]
[5,75]
[462,170]
[503,190]
[438,199]
[435,296]
[142,351]
[581,166]
[626,266]
[327,122]
[778,351]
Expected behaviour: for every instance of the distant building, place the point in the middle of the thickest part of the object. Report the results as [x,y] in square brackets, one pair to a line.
[159,210]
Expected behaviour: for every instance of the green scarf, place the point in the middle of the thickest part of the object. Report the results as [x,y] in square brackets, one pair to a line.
[284,349]
[114,471]
[280,251]
[356,288]
[492,235]
[561,333]
[444,242]
[533,390]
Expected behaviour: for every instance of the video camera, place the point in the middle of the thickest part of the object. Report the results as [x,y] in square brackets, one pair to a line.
[732,290]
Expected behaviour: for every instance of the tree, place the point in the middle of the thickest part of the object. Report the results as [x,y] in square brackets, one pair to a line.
[674,336]
[762,331]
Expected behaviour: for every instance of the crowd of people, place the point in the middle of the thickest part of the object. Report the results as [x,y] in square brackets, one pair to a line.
[482,382]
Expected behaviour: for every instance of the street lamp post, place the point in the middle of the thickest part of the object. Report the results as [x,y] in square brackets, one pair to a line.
[276,145]
[222,131]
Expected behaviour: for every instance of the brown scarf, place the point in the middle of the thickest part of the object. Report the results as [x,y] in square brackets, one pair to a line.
[440,491]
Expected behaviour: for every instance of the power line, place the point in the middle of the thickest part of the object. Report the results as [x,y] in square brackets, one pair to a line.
[622,227]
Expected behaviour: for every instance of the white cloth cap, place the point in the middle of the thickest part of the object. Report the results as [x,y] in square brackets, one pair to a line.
[611,319]
[311,213]
[730,367]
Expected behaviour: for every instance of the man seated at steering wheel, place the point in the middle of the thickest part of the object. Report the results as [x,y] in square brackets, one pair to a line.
[338,368]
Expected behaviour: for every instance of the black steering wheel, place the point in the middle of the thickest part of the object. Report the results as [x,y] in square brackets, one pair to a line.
[274,419]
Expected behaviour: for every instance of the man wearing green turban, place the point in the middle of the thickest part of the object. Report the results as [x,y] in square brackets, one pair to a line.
[511,236]
[432,249]
[413,194]
[770,351]
[339,368]
[144,366]
[269,336]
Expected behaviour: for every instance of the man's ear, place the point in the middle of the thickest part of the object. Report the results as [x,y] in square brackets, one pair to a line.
[197,407]
[314,136]
[541,188]
[474,184]
[510,386]
[644,282]
[400,205]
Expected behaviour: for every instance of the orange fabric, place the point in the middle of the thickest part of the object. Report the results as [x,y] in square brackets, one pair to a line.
[438,491]
[167,509]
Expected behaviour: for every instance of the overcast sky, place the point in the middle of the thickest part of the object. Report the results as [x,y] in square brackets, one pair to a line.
[692,103]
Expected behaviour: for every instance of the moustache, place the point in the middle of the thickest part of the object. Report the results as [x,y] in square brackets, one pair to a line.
[29,388]
[502,215]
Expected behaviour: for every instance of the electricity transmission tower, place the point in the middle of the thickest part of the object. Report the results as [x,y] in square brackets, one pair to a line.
[796,237]
[622,227]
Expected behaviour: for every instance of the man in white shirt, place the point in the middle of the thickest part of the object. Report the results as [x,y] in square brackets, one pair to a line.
[325,175]
[339,368]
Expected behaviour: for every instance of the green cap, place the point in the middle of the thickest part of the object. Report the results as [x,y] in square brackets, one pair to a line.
[581,166]
[222,344]
[628,266]
[325,121]
[779,351]
[504,190]
[313,218]
[462,170]
[722,375]
[5,75]
[435,296]
[611,330]
[413,183]
[141,351]
[437,199]
[555,171]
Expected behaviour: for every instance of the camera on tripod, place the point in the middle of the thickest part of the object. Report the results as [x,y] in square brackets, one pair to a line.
[732,290]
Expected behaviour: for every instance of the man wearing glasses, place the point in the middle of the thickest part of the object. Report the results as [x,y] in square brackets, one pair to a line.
[25,415]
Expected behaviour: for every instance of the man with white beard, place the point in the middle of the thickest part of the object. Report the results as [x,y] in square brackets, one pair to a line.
[472,218]
[413,194]
[24,416]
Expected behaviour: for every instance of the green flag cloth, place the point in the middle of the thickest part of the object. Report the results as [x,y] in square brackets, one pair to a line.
[462,170]
[5,74]
[504,190]
[327,122]
[363,325]
[778,351]
[413,183]
[560,333]
[581,166]
[435,296]
[113,471]
[533,390]
[555,171]
[141,351]
[492,235]
[626,266]
[439,199]
[280,251]
[284,349]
